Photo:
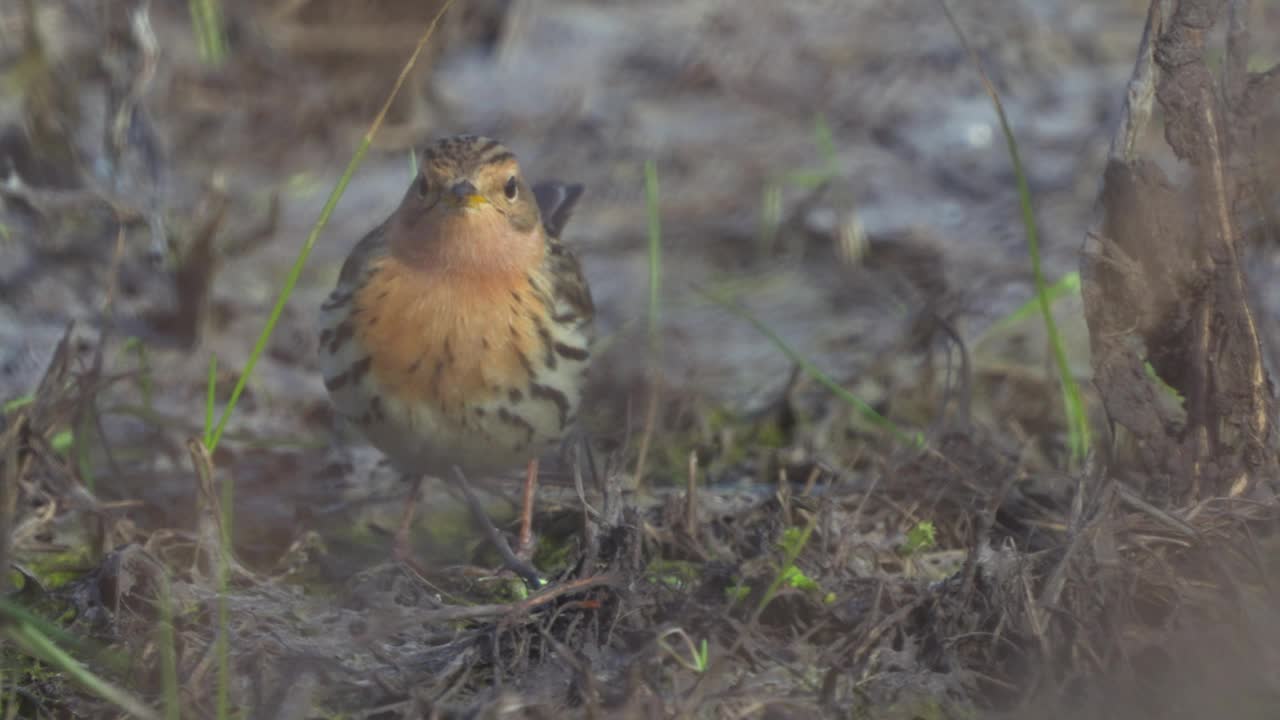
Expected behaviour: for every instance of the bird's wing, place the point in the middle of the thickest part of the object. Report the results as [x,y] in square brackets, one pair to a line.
[358,264]
[556,201]
[572,296]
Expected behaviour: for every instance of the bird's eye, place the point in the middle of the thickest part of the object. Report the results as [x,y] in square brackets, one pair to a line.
[512,188]
[423,186]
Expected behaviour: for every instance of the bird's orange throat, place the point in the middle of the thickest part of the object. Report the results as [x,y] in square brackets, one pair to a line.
[477,243]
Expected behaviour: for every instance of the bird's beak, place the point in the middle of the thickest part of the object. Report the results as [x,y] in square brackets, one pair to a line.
[464,194]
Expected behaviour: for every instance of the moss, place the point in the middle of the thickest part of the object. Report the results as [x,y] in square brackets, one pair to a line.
[675,574]
[770,435]
[497,589]
[448,527]
[554,553]
[55,570]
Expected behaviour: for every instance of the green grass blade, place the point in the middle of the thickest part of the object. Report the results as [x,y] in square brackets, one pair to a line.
[770,216]
[211,393]
[207,25]
[1077,420]
[826,143]
[1068,284]
[653,210]
[18,402]
[652,199]
[138,349]
[291,280]
[12,612]
[222,642]
[36,644]
[168,653]
[911,440]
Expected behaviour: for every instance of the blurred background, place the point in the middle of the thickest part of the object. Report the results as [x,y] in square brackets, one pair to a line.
[833,167]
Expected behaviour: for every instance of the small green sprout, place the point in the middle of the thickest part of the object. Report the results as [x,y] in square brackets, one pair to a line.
[1164,386]
[737,592]
[795,577]
[698,659]
[209,400]
[791,544]
[921,538]
[18,402]
[208,26]
[674,574]
[302,185]
[62,441]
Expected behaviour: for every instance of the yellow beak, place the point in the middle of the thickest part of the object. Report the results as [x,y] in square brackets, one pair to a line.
[464,194]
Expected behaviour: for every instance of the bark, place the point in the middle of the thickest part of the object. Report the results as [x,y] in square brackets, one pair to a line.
[1163,280]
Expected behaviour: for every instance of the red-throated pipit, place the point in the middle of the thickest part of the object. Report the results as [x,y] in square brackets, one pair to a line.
[458,336]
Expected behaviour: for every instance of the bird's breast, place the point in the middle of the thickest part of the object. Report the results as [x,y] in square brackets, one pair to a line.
[446,341]
[476,364]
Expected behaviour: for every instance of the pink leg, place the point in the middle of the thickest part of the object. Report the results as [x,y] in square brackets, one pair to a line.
[524,542]
[402,549]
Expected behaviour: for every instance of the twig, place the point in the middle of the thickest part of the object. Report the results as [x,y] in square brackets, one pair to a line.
[592,520]
[521,568]
[209,513]
[1056,580]
[650,421]
[892,620]
[1134,501]
[513,609]
[964,401]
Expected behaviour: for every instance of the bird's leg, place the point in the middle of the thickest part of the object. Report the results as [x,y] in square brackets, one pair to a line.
[515,564]
[524,541]
[402,548]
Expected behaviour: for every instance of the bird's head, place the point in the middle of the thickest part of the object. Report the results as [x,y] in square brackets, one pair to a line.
[468,208]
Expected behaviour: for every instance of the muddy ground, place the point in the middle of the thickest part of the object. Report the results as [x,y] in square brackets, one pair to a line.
[834,168]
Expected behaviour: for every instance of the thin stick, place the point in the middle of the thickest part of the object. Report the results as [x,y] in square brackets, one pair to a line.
[650,421]
[518,566]
[454,613]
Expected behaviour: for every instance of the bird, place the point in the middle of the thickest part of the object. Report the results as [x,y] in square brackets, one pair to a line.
[458,336]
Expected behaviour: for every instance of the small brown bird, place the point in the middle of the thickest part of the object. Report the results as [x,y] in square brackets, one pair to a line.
[459,333]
